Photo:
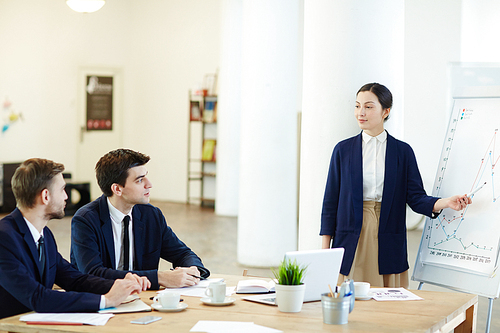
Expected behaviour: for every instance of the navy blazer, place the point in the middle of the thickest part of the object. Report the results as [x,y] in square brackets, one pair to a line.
[93,250]
[23,289]
[342,215]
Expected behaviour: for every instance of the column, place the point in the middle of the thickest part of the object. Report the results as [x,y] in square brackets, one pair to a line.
[267,220]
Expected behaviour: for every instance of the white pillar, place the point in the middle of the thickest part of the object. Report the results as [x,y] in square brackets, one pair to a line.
[267,223]
[346,44]
[229,110]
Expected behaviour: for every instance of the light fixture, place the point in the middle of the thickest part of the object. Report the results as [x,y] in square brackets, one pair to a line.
[85,6]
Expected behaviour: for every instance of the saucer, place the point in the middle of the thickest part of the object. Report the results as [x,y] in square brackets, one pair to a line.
[364,298]
[227,301]
[179,307]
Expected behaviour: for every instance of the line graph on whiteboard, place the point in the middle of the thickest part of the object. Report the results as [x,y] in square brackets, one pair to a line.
[468,240]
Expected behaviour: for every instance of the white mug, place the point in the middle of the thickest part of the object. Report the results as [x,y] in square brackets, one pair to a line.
[216,291]
[361,289]
[167,300]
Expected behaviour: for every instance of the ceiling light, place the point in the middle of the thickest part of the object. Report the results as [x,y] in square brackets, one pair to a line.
[85,6]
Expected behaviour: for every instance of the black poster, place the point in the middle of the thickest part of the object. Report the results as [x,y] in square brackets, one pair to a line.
[99,103]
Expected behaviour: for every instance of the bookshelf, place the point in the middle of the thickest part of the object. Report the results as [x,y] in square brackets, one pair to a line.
[202,147]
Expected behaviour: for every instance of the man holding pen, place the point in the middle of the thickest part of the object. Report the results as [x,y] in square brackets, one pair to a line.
[121,232]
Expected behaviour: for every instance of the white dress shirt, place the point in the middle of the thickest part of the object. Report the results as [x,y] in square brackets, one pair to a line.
[36,236]
[116,223]
[374,149]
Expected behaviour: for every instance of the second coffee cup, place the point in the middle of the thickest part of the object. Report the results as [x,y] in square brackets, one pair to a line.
[168,300]
[216,291]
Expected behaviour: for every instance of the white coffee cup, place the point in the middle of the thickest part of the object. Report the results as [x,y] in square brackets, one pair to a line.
[216,291]
[168,300]
[361,289]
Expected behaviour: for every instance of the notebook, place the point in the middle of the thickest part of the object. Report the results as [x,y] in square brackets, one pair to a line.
[323,267]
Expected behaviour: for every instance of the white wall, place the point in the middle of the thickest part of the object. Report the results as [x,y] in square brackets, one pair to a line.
[229,110]
[163,47]
[480,28]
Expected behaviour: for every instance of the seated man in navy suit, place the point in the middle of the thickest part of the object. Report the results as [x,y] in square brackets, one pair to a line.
[121,232]
[29,261]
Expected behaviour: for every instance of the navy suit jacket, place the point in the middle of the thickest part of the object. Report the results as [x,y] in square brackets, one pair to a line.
[92,245]
[342,215]
[23,289]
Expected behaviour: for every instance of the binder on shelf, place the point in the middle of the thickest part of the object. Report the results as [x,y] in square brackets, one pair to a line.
[208,151]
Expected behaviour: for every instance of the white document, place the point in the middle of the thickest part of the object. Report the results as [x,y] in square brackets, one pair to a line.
[393,294]
[136,305]
[197,290]
[96,319]
[209,326]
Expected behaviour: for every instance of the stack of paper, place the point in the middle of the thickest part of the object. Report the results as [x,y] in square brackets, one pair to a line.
[393,294]
[66,318]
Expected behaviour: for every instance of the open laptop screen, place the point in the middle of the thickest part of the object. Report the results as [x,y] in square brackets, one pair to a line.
[323,268]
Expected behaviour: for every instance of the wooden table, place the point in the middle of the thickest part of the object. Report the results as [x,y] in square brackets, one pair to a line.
[438,312]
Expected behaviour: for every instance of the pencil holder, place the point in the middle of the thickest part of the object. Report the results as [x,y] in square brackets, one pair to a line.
[335,310]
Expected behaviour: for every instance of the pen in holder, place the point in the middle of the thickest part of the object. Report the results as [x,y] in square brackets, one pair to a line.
[336,309]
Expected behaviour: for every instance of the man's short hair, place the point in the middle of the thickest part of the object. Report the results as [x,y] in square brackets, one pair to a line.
[113,168]
[31,178]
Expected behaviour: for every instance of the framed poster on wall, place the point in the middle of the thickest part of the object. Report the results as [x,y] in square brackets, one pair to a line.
[99,91]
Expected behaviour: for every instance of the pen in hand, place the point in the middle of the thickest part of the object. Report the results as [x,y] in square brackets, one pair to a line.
[198,277]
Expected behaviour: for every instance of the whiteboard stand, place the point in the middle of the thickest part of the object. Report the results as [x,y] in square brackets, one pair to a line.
[490,309]
[488,319]
[453,252]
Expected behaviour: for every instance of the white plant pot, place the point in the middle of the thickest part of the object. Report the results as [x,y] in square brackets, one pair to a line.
[290,298]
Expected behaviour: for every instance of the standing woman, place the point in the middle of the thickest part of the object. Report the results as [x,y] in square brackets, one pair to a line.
[372,177]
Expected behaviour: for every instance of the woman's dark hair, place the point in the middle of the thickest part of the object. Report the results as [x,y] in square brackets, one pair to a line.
[383,94]
[113,168]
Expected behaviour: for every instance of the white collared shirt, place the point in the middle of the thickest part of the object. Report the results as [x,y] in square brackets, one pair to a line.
[36,236]
[116,223]
[34,232]
[374,149]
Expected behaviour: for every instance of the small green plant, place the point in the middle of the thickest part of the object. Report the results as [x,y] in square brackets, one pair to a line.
[289,273]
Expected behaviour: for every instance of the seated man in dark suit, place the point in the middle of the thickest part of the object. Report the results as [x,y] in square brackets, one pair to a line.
[29,261]
[121,232]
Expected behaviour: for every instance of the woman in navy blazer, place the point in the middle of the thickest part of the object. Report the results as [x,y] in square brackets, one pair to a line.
[364,210]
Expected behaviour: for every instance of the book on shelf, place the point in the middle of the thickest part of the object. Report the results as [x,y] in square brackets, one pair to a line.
[210,109]
[195,110]
[208,150]
[255,286]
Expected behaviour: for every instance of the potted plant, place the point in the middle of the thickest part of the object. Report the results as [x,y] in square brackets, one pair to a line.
[290,288]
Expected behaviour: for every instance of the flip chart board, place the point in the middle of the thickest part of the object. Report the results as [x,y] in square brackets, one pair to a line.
[460,250]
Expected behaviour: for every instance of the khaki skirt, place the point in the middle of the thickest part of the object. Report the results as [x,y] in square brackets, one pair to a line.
[365,265]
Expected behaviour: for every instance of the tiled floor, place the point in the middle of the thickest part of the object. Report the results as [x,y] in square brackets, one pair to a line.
[213,238]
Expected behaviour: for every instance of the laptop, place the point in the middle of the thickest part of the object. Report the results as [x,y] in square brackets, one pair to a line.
[323,267]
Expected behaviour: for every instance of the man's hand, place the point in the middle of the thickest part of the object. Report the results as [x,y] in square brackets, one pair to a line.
[120,290]
[141,280]
[179,277]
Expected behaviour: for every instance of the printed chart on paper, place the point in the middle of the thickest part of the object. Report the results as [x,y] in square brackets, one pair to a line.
[468,240]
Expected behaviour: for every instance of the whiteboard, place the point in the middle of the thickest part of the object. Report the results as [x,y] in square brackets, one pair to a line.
[460,250]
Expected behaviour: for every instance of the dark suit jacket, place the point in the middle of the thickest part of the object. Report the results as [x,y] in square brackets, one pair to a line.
[23,289]
[342,215]
[92,245]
